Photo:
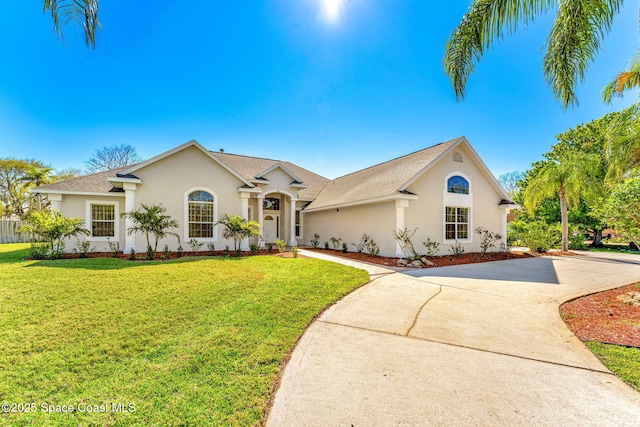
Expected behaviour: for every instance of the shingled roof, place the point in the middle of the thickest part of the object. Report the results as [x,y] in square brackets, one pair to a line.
[251,168]
[94,183]
[379,181]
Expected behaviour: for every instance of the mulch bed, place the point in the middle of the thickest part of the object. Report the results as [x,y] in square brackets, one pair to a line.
[142,256]
[439,261]
[605,317]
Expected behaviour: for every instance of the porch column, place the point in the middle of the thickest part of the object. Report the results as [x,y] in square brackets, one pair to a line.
[292,218]
[400,206]
[129,205]
[56,201]
[244,200]
[503,226]
[260,215]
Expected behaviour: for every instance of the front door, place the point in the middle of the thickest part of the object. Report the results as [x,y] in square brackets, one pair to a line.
[270,228]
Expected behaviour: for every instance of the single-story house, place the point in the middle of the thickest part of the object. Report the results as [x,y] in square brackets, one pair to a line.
[444,191]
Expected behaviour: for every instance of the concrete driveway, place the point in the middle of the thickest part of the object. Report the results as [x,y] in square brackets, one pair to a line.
[479,344]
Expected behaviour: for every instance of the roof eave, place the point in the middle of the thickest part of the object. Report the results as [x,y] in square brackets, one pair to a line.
[388,198]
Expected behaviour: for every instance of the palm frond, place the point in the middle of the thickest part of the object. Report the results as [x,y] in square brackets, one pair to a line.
[486,22]
[82,12]
[625,80]
[573,43]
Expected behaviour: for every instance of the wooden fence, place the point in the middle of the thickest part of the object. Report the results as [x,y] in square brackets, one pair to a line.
[9,232]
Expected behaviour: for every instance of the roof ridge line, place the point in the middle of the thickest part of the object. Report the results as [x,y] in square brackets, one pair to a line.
[396,158]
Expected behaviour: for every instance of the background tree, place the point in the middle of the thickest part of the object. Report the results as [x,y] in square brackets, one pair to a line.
[510,182]
[111,157]
[571,46]
[621,209]
[569,177]
[622,147]
[82,12]
[67,173]
[17,176]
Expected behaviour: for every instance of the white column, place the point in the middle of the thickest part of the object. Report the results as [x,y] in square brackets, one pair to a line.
[503,225]
[56,201]
[129,205]
[260,214]
[400,206]
[292,218]
[244,200]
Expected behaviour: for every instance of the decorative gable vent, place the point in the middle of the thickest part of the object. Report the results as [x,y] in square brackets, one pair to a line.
[457,157]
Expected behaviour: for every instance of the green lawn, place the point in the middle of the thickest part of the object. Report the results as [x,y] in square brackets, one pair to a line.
[187,342]
[622,361]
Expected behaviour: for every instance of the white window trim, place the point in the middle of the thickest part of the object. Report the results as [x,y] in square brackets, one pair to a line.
[116,220]
[186,216]
[300,232]
[457,173]
[469,238]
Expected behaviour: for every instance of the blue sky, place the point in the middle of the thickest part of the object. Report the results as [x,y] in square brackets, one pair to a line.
[278,79]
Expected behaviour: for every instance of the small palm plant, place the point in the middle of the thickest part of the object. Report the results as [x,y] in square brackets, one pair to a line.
[152,221]
[238,228]
[54,227]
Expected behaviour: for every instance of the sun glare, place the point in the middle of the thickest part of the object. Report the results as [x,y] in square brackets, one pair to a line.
[331,9]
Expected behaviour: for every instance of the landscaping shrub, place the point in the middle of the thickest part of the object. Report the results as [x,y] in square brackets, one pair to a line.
[373,248]
[315,240]
[195,245]
[487,239]
[179,251]
[538,236]
[433,248]
[132,254]
[345,248]
[82,248]
[253,248]
[403,237]
[363,242]
[281,244]
[456,249]
[326,245]
[335,241]
[114,248]
[39,250]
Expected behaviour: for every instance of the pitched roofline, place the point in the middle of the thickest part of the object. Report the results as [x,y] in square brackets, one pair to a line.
[192,143]
[245,156]
[391,160]
[276,166]
[77,193]
[483,167]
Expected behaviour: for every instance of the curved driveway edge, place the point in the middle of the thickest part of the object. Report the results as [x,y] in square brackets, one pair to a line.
[479,344]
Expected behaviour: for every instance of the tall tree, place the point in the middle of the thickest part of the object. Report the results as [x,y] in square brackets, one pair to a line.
[510,182]
[111,157]
[82,12]
[621,208]
[622,147]
[571,45]
[569,178]
[16,178]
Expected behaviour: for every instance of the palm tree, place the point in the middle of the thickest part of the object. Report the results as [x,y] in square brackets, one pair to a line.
[622,147]
[238,228]
[626,80]
[36,176]
[570,177]
[151,221]
[83,12]
[571,45]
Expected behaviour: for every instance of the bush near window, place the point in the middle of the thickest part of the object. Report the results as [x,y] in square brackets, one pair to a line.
[487,239]
[54,227]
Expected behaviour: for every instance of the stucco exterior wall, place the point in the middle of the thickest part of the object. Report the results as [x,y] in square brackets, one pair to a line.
[76,207]
[428,212]
[349,223]
[170,180]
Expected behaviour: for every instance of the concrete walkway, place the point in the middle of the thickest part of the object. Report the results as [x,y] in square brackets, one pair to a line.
[479,344]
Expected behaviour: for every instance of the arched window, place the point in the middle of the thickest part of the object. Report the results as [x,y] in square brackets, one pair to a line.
[457,184]
[201,214]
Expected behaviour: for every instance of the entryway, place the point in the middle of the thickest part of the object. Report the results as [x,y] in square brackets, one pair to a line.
[271,228]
